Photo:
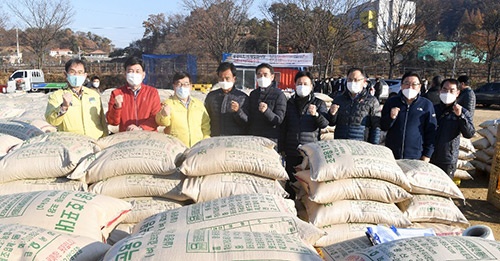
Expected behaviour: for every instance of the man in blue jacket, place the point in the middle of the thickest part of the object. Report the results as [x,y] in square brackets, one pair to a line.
[453,120]
[410,121]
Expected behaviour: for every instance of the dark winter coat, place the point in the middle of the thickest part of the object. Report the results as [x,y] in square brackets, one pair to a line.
[223,121]
[358,118]
[433,95]
[467,99]
[300,127]
[450,126]
[267,124]
[412,134]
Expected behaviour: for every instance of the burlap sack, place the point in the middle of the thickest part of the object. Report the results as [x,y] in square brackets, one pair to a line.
[143,207]
[479,165]
[490,151]
[249,212]
[482,143]
[462,174]
[19,129]
[29,185]
[487,123]
[482,156]
[432,248]
[342,232]
[465,155]
[342,159]
[120,232]
[211,245]
[358,188]
[247,154]
[339,251]
[488,135]
[464,165]
[72,212]
[214,186]
[7,142]
[128,157]
[355,211]
[21,242]
[427,178]
[435,209]
[466,145]
[142,185]
[440,229]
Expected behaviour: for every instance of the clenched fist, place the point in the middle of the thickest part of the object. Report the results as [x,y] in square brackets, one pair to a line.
[262,107]
[67,98]
[235,106]
[165,110]
[394,112]
[334,108]
[118,101]
[312,110]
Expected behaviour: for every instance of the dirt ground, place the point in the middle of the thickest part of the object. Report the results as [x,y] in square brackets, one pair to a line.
[477,209]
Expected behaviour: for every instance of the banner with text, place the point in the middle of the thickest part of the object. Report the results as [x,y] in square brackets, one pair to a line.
[275,60]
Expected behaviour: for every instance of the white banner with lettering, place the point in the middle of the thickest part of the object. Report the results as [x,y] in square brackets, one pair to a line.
[275,60]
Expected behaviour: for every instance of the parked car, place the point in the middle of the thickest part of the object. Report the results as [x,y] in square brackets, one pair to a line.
[394,86]
[384,93]
[488,94]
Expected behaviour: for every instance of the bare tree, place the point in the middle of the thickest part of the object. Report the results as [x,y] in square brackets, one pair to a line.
[42,19]
[397,31]
[218,24]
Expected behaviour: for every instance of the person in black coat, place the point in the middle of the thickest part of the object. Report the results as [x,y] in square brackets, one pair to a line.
[305,116]
[453,120]
[467,97]
[433,93]
[267,105]
[227,106]
[356,113]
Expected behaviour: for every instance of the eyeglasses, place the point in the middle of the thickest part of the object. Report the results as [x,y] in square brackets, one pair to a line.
[179,84]
[413,85]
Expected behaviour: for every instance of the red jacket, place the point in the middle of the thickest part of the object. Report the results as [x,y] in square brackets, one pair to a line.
[140,110]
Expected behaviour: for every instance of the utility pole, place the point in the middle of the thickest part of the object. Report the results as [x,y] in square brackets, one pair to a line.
[17,46]
[278,36]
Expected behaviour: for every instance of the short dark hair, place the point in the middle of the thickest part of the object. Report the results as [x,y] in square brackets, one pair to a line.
[224,66]
[133,60]
[353,69]
[264,65]
[437,80]
[72,62]
[95,77]
[451,81]
[464,79]
[180,75]
[411,74]
[300,74]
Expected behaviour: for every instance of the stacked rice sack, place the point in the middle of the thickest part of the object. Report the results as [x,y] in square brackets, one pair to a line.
[485,146]
[238,227]
[26,107]
[43,162]
[432,204]
[349,186]
[466,154]
[58,224]
[219,167]
[138,167]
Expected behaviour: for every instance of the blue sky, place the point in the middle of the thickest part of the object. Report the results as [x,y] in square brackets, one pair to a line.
[121,20]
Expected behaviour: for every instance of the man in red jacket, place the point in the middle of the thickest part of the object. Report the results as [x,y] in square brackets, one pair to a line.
[134,106]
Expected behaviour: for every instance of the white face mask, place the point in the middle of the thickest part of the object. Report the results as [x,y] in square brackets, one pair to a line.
[134,79]
[226,85]
[182,92]
[410,93]
[75,80]
[264,82]
[354,87]
[95,84]
[302,90]
[447,98]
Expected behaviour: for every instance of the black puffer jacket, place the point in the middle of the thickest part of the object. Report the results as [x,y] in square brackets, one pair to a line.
[299,127]
[467,99]
[358,118]
[223,121]
[450,126]
[267,124]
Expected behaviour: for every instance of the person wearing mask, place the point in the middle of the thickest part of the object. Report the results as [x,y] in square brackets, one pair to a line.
[135,105]
[267,105]
[410,121]
[356,113]
[305,116]
[467,97]
[453,120]
[94,83]
[77,109]
[184,116]
[227,106]
[433,93]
